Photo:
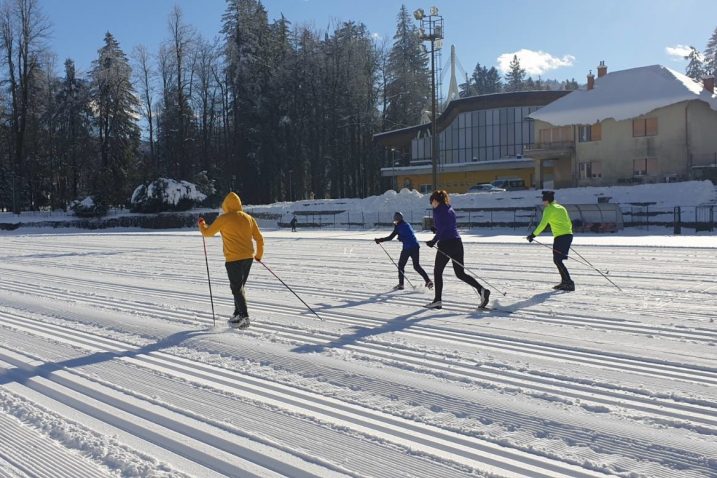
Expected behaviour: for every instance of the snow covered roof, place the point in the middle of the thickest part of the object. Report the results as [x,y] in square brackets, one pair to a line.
[623,95]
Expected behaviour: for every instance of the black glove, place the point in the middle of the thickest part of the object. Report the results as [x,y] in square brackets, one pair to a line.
[431,243]
[530,237]
[433,229]
[378,240]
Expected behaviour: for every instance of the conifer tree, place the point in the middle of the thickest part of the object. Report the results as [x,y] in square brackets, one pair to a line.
[695,68]
[116,108]
[515,78]
[710,59]
[408,86]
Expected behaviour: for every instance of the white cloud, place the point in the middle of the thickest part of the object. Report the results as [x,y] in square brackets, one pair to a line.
[680,51]
[534,62]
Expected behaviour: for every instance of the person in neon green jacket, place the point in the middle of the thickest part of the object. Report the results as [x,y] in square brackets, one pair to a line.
[558,218]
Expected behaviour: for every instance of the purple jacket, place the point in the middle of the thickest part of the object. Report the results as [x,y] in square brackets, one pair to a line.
[444,220]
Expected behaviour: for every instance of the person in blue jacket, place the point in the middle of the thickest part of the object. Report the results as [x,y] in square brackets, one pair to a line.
[450,247]
[405,234]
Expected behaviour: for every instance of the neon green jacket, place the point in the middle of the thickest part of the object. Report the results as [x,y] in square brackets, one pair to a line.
[558,218]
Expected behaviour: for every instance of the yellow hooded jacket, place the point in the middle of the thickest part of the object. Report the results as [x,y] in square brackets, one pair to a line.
[237,229]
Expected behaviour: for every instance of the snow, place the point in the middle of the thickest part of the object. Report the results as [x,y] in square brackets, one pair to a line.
[172,190]
[624,94]
[111,365]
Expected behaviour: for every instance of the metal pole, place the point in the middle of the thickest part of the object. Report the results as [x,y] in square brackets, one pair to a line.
[434,129]
[211,298]
[291,290]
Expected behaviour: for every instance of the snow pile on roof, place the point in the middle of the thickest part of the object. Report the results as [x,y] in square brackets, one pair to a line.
[623,95]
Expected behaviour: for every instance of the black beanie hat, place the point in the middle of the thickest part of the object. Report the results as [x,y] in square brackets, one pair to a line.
[549,196]
[397,216]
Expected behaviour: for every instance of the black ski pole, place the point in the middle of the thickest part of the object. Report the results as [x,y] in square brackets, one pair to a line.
[211,297]
[471,272]
[596,269]
[394,263]
[585,263]
[291,290]
[559,252]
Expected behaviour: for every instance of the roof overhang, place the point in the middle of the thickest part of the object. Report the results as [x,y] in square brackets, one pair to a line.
[517,163]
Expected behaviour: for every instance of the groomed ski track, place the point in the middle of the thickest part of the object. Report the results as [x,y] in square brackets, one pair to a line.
[110,364]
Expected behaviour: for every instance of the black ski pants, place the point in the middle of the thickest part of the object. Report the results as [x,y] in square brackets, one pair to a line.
[451,249]
[413,254]
[561,247]
[238,272]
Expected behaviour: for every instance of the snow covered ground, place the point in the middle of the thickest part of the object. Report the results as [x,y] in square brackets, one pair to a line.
[110,364]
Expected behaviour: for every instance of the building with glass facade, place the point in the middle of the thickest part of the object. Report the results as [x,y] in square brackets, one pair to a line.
[481,139]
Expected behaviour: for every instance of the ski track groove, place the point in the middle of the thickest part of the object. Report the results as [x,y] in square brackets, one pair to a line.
[673,370]
[467,448]
[39,456]
[683,316]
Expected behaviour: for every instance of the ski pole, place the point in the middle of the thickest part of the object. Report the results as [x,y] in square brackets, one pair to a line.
[586,263]
[394,263]
[290,289]
[560,252]
[471,272]
[596,269]
[211,297]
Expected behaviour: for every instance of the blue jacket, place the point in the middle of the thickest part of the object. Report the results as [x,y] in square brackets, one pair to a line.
[444,220]
[405,234]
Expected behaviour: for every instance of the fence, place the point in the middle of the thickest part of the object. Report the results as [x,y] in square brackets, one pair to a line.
[586,218]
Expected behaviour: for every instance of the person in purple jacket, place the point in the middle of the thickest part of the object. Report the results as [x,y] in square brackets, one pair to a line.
[450,247]
[405,234]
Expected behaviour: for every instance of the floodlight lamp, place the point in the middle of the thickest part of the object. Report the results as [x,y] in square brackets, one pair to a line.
[419,14]
[434,11]
[438,31]
[439,44]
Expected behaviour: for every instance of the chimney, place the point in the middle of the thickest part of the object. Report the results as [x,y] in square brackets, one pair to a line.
[591,80]
[709,83]
[602,69]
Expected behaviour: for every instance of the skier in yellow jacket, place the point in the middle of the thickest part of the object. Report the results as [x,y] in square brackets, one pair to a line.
[562,229]
[237,229]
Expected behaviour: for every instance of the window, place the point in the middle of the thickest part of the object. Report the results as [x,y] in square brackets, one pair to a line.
[590,133]
[590,170]
[644,127]
[644,166]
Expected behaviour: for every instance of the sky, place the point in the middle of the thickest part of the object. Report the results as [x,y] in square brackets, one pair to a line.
[554,39]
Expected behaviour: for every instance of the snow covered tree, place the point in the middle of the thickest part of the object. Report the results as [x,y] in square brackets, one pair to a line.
[710,60]
[408,82]
[515,78]
[695,68]
[116,108]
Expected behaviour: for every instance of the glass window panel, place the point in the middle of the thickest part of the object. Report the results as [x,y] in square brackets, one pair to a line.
[482,154]
[496,135]
[475,135]
[462,155]
[462,138]
[467,120]
[527,130]
[650,126]
[475,120]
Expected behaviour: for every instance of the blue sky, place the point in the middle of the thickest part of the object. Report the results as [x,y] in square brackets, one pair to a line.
[559,39]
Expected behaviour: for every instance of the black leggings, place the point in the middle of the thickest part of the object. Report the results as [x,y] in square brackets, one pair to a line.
[561,247]
[238,272]
[413,254]
[451,249]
